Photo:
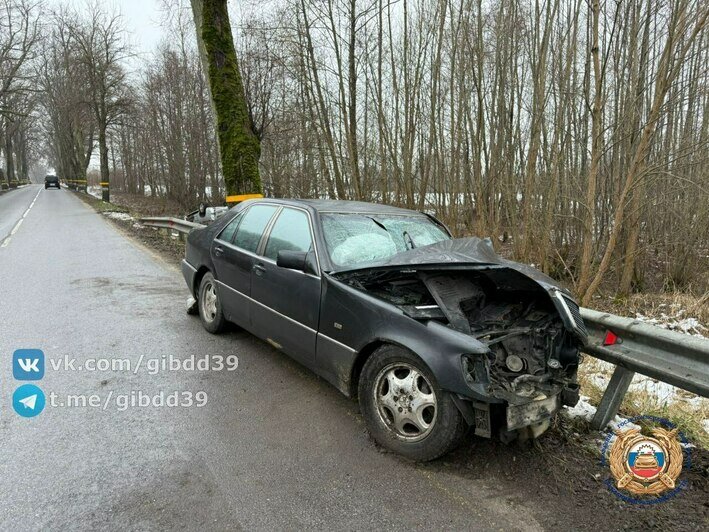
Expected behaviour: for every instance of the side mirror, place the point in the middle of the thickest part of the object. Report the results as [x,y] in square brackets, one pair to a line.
[296,260]
[293,260]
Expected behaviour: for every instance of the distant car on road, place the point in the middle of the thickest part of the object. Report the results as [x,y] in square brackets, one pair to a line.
[51,181]
[432,334]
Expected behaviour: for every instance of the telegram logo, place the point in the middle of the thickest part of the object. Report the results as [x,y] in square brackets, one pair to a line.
[28,400]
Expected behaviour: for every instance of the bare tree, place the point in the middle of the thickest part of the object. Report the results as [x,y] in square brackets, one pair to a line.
[101,52]
[19,35]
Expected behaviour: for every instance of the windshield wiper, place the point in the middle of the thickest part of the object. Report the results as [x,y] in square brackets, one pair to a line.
[408,240]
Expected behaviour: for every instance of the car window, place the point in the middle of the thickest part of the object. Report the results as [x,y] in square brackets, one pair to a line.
[251,228]
[354,239]
[228,232]
[291,232]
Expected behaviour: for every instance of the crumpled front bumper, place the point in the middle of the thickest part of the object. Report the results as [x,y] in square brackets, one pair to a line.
[532,413]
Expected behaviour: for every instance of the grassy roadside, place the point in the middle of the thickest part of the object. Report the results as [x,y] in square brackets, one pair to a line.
[128,220]
[100,205]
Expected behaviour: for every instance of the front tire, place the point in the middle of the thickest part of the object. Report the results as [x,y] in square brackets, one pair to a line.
[210,306]
[405,409]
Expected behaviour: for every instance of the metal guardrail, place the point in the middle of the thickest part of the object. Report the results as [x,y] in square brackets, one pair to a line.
[181,226]
[675,358]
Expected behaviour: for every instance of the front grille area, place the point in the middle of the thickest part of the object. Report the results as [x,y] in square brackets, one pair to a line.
[576,314]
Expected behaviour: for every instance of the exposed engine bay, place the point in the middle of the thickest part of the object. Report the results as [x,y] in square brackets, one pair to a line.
[532,355]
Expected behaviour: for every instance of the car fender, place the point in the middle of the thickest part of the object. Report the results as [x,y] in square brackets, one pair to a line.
[353,324]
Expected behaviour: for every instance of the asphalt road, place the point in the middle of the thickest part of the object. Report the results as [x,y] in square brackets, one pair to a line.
[274,448]
[13,204]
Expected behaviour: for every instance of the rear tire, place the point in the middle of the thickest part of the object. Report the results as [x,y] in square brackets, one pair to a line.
[210,306]
[405,409]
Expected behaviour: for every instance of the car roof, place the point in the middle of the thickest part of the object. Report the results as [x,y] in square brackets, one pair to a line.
[342,206]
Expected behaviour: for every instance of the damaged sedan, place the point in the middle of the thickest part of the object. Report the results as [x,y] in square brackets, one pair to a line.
[433,335]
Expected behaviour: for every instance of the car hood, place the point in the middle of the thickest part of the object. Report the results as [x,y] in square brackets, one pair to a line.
[457,253]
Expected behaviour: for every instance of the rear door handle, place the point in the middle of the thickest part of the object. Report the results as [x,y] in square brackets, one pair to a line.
[219,251]
[259,269]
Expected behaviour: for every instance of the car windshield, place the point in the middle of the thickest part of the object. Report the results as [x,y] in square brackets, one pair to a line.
[357,239]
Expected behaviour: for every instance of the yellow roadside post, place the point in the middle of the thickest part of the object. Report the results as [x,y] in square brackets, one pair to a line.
[242,197]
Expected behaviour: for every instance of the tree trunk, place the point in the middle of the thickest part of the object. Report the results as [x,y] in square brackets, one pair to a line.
[589,221]
[239,148]
[103,161]
[9,159]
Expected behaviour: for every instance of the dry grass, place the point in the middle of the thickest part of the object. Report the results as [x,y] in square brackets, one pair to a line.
[672,304]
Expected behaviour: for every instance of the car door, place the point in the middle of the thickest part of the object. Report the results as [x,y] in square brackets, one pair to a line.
[286,303]
[233,255]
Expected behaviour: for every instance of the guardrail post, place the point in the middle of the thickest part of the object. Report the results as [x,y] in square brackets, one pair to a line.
[612,397]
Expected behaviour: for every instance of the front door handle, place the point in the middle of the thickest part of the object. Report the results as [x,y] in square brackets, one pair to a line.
[259,269]
[219,251]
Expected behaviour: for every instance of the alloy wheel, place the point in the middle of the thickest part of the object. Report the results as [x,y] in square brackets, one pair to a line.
[209,302]
[405,401]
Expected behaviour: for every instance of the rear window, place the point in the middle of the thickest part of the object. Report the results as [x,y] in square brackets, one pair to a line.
[251,228]
[228,232]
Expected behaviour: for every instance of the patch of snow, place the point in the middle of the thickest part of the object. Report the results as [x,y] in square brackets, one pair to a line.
[124,216]
[619,422]
[94,191]
[159,189]
[583,409]
[675,323]
[586,411]
[138,225]
[662,392]
[599,379]
[705,425]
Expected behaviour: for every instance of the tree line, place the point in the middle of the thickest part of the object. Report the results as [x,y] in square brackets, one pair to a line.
[572,131]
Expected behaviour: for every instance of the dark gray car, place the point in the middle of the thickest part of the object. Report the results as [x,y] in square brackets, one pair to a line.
[51,181]
[432,334]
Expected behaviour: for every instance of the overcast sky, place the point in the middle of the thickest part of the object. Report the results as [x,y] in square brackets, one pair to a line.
[146,22]
[143,20]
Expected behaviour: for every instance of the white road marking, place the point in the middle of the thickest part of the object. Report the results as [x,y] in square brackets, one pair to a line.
[6,242]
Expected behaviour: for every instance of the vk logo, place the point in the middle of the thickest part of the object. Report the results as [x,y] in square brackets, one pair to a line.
[28,400]
[28,364]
